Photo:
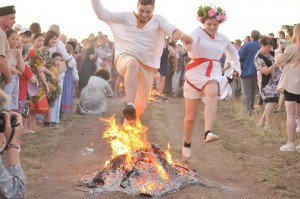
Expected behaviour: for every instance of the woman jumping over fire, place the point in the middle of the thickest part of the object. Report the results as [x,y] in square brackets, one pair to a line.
[204,73]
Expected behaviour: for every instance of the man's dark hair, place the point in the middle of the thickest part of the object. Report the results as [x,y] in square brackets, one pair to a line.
[255,35]
[146,2]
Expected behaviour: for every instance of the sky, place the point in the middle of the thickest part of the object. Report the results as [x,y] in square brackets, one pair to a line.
[77,19]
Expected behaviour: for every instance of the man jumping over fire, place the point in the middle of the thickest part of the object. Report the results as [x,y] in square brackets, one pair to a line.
[139,40]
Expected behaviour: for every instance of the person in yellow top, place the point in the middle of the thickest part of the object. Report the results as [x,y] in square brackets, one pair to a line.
[54,87]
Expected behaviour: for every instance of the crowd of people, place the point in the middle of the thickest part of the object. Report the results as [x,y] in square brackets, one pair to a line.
[42,72]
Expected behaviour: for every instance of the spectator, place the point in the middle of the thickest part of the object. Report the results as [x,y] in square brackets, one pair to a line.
[12,178]
[249,74]
[68,89]
[93,96]
[17,67]
[269,74]
[289,85]
[35,28]
[7,20]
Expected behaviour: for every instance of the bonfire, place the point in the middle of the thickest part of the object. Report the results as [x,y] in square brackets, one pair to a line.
[138,167]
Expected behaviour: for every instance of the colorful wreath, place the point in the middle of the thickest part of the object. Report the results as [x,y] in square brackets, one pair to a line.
[205,12]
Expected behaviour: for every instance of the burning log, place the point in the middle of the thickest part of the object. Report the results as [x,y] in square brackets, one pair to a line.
[146,195]
[116,163]
[131,175]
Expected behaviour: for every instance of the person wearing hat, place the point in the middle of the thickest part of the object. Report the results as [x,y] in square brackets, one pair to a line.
[7,20]
[25,38]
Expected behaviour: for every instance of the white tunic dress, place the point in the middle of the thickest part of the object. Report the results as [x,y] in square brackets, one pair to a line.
[211,49]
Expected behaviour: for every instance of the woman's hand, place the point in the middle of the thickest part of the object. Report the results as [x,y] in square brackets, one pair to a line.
[47,88]
[186,39]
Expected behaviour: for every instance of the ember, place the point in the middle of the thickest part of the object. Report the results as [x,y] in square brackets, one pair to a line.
[138,167]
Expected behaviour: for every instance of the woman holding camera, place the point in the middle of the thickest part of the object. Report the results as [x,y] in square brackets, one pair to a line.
[12,178]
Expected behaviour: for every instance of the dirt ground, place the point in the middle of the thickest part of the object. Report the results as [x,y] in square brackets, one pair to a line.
[240,165]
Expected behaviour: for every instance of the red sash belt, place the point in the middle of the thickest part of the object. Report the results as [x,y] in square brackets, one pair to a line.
[199,61]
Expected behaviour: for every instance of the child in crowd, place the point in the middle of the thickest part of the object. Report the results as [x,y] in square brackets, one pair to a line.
[68,86]
[54,88]
[17,66]
[26,76]
[25,37]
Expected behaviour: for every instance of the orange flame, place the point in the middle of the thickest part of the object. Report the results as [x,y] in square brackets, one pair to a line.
[125,140]
[168,154]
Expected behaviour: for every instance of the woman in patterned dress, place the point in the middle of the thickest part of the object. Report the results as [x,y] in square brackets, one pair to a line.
[39,102]
[269,73]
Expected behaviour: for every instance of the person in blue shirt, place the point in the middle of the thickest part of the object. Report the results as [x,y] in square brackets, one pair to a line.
[249,73]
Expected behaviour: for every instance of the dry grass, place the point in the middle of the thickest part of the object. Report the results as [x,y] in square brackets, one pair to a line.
[259,148]
[275,135]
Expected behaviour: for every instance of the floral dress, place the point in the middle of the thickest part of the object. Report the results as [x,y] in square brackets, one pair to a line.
[38,103]
[93,97]
[55,89]
[270,90]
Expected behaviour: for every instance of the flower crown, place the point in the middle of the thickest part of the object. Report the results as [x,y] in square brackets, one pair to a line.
[205,12]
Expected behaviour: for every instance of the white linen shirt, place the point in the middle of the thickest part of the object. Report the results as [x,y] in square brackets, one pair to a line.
[205,47]
[146,44]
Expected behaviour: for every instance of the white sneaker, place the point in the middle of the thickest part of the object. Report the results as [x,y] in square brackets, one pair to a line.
[186,152]
[288,147]
[29,131]
[298,129]
[210,137]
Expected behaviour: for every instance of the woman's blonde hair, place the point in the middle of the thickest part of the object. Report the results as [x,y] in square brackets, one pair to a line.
[296,34]
[296,37]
